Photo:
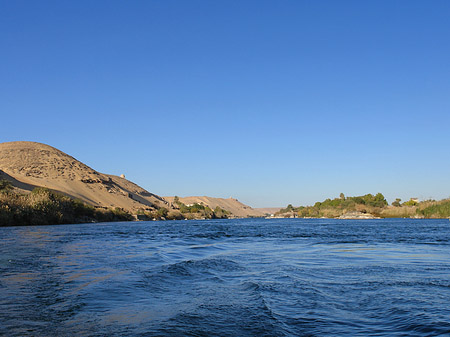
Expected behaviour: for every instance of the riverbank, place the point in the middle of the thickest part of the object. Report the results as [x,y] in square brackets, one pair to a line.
[370,206]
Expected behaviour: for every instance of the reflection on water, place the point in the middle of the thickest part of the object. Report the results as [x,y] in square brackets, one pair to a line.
[285,277]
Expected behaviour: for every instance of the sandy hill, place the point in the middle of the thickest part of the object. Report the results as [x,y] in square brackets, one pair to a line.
[232,205]
[29,164]
[268,210]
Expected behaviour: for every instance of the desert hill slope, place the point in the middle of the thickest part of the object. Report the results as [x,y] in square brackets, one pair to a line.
[232,205]
[29,164]
[268,210]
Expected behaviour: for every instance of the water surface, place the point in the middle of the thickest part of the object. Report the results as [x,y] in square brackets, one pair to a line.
[249,277]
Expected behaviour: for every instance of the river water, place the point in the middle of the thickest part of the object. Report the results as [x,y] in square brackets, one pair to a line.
[248,277]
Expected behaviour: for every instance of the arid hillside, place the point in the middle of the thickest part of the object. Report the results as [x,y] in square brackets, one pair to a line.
[231,205]
[268,210]
[28,164]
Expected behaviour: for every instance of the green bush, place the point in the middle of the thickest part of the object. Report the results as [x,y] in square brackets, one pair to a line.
[396,203]
[45,207]
[220,213]
[440,209]
[162,212]
[410,202]
[335,207]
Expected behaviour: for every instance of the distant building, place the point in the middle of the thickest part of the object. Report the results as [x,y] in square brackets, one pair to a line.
[122,176]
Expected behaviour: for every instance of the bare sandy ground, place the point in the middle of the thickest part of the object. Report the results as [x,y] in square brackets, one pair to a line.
[232,205]
[28,165]
[268,210]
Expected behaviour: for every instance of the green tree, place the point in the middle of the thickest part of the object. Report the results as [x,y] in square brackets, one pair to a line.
[380,200]
[410,202]
[396,203]
[220,213]
[176,200]
[162,212]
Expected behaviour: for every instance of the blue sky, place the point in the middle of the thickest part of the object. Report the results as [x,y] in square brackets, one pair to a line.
[271,102]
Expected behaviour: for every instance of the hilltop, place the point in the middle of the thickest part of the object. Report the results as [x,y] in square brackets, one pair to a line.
[28,166]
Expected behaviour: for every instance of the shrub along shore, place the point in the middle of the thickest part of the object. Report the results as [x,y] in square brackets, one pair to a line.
[45,207]
[374,205]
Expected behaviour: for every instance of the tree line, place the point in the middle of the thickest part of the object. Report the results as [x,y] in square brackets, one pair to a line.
[371,204]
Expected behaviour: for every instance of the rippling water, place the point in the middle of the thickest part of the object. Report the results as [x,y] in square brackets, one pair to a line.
[252,277]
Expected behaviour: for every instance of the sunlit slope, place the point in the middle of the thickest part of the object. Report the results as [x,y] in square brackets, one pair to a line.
[232,205]
[30,164]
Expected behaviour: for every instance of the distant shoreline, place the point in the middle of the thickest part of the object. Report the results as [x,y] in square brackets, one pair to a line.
[230,219]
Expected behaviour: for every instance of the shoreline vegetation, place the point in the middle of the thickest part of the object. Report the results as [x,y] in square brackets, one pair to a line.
[369,207]
[43,206]
[181,211]
[43,185]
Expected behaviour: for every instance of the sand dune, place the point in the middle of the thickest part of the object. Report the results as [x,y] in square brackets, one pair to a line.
[29,164]
[232,205]
[268,210]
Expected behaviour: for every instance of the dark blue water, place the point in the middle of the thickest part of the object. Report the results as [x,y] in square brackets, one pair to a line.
[286,277]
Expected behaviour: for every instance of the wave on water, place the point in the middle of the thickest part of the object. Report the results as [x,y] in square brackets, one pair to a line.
[252,277]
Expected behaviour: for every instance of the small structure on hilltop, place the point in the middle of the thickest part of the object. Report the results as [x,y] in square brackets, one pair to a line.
[122,176]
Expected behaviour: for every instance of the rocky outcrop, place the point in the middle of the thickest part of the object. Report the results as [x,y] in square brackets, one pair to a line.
[358,216]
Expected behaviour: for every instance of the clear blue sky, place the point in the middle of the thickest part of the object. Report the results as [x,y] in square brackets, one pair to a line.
[271,102]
